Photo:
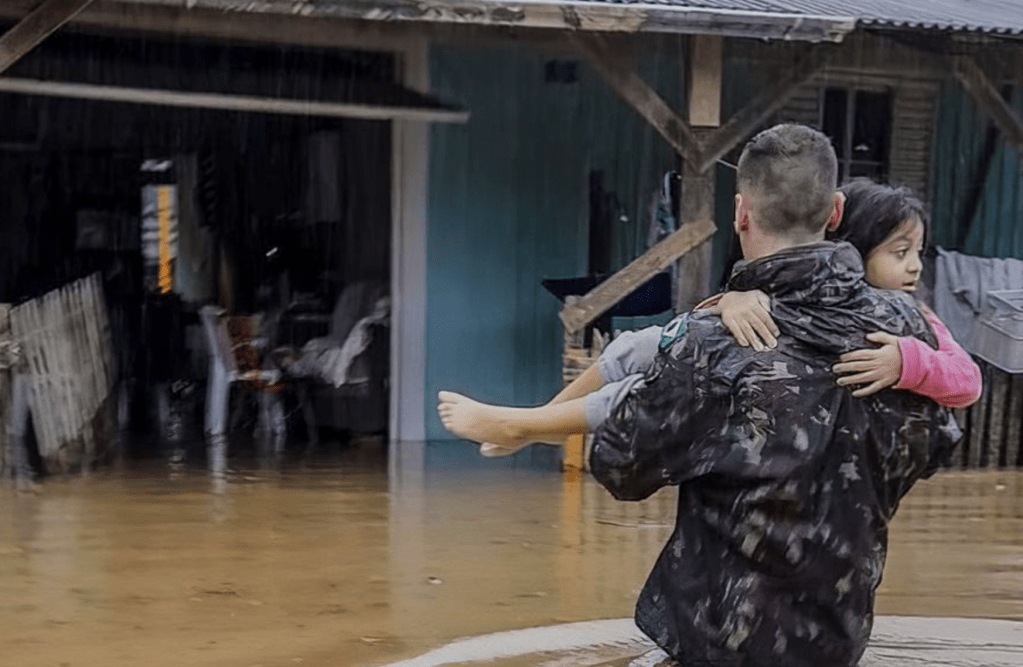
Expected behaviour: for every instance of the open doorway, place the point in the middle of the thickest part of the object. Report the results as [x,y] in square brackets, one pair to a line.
[281,216]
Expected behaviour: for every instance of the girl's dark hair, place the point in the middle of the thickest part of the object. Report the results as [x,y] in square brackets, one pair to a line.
[873,212]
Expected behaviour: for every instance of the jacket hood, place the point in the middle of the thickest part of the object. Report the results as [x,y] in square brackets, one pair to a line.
[818,296]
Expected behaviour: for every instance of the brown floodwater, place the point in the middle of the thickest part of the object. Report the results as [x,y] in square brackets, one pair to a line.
[363,559]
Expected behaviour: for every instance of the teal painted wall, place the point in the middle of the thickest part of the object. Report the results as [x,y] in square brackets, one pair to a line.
[996,228]
[509,207]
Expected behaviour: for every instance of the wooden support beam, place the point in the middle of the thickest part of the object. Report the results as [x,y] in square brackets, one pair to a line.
[40,23]
[696,203]
[706,67]
[703,77]
[753,115]
[243,27]
[605,295]
[989,100]
[640,95]
[248,103]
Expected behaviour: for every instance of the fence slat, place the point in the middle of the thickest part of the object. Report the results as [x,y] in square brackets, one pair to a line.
[66,339]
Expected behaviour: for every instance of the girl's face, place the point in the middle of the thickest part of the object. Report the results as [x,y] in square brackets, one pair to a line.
[895,263]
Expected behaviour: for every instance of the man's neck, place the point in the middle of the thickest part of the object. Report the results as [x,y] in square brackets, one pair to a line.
[767,244]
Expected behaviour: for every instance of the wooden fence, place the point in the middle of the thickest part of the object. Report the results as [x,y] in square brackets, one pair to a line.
[5,387]
[993,426]
[65,339]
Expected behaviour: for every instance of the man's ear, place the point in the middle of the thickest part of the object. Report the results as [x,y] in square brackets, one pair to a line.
[837,212]
[741,215]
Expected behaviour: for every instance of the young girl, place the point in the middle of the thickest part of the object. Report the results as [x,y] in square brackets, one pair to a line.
[886,225]
[889,228]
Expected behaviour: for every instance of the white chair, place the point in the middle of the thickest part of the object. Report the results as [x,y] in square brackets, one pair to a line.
[224,372]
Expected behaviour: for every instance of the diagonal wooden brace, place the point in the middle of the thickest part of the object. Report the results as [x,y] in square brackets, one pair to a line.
[640,95]
[753,115]
[605,295]
[39,24]
[991,102]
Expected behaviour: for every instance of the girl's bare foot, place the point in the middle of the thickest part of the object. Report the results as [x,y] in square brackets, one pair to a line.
[479,422]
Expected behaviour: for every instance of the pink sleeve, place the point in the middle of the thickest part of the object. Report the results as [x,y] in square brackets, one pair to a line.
[948,375]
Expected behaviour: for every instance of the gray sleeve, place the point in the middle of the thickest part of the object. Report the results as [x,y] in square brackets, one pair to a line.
[630,353]
[601,403]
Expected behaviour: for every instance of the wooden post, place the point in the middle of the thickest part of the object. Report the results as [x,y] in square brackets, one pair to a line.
[574,453]
[759,110]
[697,200]
[704,80]
[40,23]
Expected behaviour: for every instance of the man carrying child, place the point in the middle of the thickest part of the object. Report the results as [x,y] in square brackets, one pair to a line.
[787,482]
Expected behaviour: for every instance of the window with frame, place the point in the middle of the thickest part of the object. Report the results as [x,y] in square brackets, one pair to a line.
[859,123]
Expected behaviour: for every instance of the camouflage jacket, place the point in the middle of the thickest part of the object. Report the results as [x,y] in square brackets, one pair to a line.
[786,482]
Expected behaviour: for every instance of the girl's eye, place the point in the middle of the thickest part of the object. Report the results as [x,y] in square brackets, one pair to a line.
[901,254]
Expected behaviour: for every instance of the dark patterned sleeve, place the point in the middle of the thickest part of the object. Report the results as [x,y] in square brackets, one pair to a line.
[648,441]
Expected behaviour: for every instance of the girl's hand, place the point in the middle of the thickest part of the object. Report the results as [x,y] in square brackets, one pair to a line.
[878,368]
[747,315]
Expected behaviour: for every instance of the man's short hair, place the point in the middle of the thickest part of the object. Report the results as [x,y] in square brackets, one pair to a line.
[791,172]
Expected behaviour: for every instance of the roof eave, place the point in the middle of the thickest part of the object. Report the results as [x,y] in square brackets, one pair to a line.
[553,14]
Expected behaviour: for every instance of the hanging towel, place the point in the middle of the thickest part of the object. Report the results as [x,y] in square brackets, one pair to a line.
[961,284]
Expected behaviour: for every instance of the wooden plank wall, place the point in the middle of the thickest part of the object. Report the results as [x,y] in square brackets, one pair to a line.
[913,124]
[65,336]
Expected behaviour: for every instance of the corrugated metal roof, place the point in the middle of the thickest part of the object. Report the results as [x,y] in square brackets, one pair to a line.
[809,20]
[994,16]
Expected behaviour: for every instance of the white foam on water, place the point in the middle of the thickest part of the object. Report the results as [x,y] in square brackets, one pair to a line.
[550,639]
[651,659]
[897,641]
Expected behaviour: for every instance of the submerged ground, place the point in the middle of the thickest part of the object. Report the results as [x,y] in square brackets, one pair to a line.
[353,557]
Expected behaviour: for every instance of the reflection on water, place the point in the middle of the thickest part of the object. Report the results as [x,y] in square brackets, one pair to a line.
[351,560]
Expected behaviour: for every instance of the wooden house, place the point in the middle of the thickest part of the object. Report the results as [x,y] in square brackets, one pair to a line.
[502,143]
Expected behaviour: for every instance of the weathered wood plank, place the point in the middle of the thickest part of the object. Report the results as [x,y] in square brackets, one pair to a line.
[706,68]
[640,95]
[40,23]
[106,341]
[91,380]
[961,453]
[85,396]
[77,353]
[694,268]
[697,195]
[990,101]
[52,333]
[39,396]
[978,422]
[65,334]
[229,102]
[602,297]
[25,324]
[753,115]
[6,398]
[994,439]
[1015,434]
